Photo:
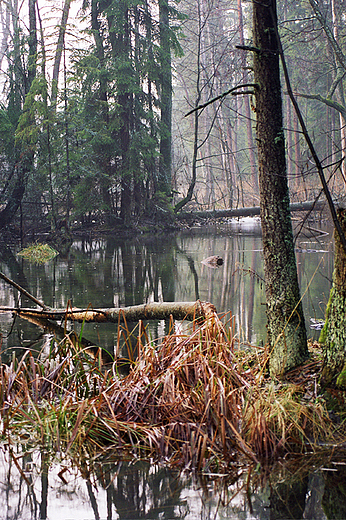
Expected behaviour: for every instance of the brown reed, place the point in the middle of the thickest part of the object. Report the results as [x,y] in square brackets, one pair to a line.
[189,399]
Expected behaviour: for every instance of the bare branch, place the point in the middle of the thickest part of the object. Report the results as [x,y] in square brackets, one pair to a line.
[23,291]
[334,44]
[233,91]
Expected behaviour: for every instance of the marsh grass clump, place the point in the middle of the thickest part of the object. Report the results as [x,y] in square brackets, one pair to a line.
[189,399]
[38,253]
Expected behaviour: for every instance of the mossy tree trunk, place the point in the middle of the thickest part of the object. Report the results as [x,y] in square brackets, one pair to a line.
[286,326]
[333,335]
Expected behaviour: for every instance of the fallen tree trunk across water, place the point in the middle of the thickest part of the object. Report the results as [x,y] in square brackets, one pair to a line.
[149,311]
[247,212]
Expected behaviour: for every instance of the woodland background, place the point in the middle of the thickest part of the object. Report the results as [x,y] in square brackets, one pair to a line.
[93,125]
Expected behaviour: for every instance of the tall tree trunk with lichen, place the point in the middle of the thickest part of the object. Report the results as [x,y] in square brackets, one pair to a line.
[286,327]
[333,335]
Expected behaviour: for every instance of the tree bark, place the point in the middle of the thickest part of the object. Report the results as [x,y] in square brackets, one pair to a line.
[333,335]
[5,16]
[248,116]
[165,174]
[286,327]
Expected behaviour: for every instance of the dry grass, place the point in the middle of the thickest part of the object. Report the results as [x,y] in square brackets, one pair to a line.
[190,401]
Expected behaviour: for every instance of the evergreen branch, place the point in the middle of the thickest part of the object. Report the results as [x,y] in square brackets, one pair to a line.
[232,91]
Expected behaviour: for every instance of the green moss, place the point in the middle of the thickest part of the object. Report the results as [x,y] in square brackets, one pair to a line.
[38,253]
[341,379]
[323,335]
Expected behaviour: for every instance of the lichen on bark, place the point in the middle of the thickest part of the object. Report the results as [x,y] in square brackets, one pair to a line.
[286,326]
[333,335]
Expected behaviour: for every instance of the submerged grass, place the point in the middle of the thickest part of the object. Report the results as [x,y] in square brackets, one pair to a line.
[38,253]
[190,400]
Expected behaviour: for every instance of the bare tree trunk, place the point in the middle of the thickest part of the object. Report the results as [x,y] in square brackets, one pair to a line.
[5,17]
[297,157]
[58,51]
[248,114]
[290,165]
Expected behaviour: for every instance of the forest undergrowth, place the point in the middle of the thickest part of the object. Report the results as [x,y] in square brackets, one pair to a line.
[191,400]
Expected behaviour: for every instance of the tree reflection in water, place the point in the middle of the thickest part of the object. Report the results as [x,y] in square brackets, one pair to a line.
[121,272]
[31,488]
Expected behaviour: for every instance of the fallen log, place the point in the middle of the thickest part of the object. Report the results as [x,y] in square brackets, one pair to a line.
[246,212]
[149,311]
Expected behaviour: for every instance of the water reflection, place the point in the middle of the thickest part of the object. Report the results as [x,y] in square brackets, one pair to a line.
[32,487]
[114,272]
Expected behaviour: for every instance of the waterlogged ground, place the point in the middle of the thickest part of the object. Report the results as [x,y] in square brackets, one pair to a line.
[112,273]
[32,489]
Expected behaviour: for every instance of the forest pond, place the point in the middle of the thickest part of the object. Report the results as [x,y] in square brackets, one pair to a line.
[122,272]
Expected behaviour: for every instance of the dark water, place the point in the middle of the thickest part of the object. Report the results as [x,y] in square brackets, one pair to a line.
[139,490]
[115,273]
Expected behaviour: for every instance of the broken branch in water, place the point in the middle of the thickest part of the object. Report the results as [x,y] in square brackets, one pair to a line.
[23,291]
[147,311]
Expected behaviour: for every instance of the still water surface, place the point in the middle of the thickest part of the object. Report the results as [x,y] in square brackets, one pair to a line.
[116,273]
[141,490]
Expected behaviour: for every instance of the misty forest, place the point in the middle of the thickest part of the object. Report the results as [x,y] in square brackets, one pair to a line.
[137,118]
[95,97]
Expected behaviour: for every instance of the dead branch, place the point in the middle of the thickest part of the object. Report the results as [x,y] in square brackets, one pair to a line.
[234,91]
[23,291]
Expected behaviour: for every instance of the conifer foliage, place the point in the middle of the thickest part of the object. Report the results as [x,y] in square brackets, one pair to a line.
[97,139]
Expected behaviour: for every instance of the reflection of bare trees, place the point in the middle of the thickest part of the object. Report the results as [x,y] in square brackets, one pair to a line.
[142,490]
[130,491]
[139,490]
[124,272]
